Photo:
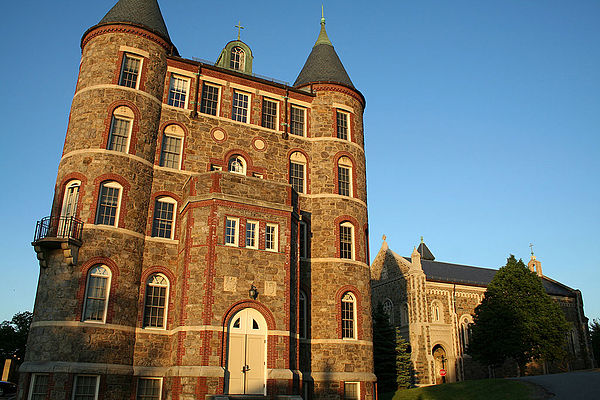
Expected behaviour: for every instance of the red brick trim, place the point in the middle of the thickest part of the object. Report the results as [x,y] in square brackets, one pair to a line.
[124,196]
[241,304]
[60,192]
[307,172]
[157,269]
[143,71]
[155,196]
[255,139]
[250,167]
[212,134]
[338,305]
[367,244]
[123,28]
[84,270]
[332,87]
[159,140]
[135,124]
[355,224]
[336,159]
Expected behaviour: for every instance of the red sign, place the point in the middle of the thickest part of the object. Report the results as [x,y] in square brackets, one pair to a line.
[442,372]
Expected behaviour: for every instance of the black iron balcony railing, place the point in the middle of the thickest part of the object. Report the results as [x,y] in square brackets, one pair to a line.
[58,227]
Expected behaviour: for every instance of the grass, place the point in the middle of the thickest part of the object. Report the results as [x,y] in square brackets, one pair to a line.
[485,389]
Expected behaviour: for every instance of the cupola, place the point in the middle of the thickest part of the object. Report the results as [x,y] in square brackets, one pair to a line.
[236,55]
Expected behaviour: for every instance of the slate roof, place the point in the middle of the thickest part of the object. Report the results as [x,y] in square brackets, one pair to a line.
[145,13]
[425,253]
[468,275]
[323,64]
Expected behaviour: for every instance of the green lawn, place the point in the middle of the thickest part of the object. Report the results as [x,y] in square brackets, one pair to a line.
[485,389]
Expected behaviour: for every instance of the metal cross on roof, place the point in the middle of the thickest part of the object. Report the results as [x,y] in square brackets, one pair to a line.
[531,247]
[240,27]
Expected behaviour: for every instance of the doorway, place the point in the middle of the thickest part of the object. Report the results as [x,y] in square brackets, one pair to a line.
[441,363]
[69,210]
[246,353]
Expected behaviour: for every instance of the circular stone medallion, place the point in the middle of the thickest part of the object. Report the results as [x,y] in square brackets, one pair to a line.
[259,144]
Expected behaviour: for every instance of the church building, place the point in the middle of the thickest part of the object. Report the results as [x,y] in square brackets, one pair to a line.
[209,232]
[432,303]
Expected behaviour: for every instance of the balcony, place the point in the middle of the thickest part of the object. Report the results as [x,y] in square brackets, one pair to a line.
[53,233]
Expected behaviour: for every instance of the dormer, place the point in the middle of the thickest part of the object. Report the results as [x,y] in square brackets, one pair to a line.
[236,56]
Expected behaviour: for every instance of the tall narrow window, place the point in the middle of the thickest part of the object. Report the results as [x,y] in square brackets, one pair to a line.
[240,106]
[178,89]
[86,387]
[96,294]
[39,387]
[405,316]
[271,237]
[130,71]
[465,333]
[348,316]
[120,129]
[109,199]
[388,308]
[231,231]
[297,118]
[164,217]
[342,125]
[238,59]
[302,315]
[345,176]
[210,99]
[66,225]
[351,391]
[149,389]
[435,312]
[170,152]
[252,234]
[155,309]
[237,165]
[269,114]
[346,240]
[297,171]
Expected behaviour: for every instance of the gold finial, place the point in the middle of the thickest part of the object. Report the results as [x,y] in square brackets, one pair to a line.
[531,247]
[240,27]
[322,15]
[422,239]
[384,237]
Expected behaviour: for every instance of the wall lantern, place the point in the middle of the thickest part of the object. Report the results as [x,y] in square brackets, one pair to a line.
[253,292]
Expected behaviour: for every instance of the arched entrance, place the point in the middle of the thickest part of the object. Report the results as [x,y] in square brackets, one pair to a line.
[440,362]
[246,353]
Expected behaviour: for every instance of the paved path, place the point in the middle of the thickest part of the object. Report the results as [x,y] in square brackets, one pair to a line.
[578,385]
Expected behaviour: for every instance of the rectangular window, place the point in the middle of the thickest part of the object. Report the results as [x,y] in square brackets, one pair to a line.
[351,391]
[86,387]
[170,152]
[214,167]
[119,134]
[297,176]
[231,231]
[39,387]
[271,239]
[269,114]
[297,116]
[251,234]
[210,99]
[178,92]
[346,242]
[343,180]
[130,71]
[240,107]
[156,305]
[303,241]
[108,204]
[348,320]
[342,125]
[162,225]
[149,389]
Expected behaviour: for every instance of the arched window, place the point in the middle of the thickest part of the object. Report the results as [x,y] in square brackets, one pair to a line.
[302,315]
[405,316]
[155,308]
[348,316]
[238,58]
[68,210]
[465,332]
[96,294]
[165,209]
[298,172]
[388,308]
[237,165]
[436,313]
[109,203]
[345,176]
[120,129]
[170,153]
[346,240]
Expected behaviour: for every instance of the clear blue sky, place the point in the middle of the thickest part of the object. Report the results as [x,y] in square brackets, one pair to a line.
[482,121]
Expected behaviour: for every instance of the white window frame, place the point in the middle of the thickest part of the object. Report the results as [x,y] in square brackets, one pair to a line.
[129,130]
[248,108]
[276,123]
[275,227]
[348,224]
[215,167]
[75,385]
[137,389]
[354,316]
[357,384]
[139,72]
[165,199]
[106,294]
[166,309]
[303,109]
[110,184]
[219,91]
[187,90]
[162,149]
[236,234]
[242,58]
[32,386]
[241,160]
[342,163]
[347,116]
[255,234]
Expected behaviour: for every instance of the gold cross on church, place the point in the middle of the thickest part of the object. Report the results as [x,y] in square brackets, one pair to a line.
[240,27]
[531,247]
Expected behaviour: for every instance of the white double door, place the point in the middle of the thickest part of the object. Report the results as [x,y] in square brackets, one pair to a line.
[246,353]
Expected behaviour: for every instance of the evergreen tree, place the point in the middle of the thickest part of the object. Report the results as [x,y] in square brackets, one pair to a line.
[595,336]
[517,320]
[404,375]
[13,335]
[384,351]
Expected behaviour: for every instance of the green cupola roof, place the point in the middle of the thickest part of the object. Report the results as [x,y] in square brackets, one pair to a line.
[145,13]
[323,63]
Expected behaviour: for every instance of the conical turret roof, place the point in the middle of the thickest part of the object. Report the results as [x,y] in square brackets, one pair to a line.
[323,64]
[145,13]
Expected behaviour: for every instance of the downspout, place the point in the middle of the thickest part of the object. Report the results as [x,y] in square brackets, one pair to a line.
[285,124]
[195,102]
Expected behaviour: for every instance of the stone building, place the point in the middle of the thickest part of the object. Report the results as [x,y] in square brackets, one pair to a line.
[208,233]
[432,303]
